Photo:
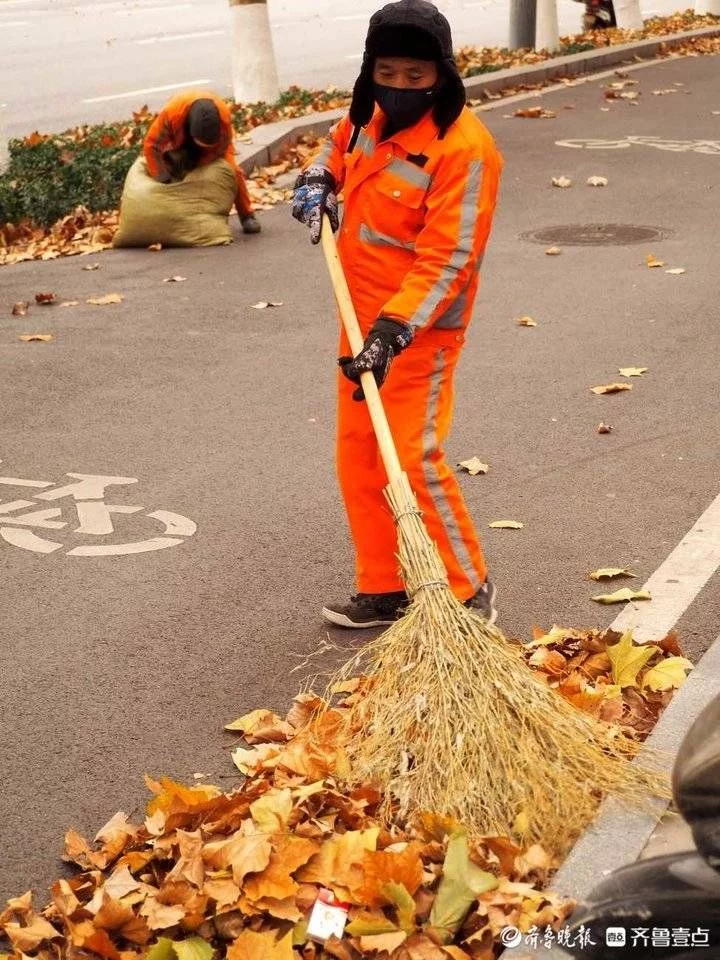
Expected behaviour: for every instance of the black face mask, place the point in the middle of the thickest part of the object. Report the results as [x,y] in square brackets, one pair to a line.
[403,108]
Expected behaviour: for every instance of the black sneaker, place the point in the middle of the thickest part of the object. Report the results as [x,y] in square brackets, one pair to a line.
[250,225]
[367,610]
[484,602]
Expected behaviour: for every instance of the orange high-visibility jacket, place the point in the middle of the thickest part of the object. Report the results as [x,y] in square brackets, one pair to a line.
[168,132]
[418,213]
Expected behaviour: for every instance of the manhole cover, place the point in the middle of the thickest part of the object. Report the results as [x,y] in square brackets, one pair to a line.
[596,234]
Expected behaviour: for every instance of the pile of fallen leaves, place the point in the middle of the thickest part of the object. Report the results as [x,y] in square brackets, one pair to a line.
[477,60]
[81,232]
[238,873]
[608,675]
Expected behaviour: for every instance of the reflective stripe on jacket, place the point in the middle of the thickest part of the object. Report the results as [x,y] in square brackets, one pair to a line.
[418,214]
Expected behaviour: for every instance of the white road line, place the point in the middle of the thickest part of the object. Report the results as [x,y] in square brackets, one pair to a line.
[146,10]
[677,581]
[140,93]
[181,36]
[15,23]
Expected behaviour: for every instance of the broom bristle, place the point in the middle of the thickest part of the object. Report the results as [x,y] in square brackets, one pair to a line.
[453,721]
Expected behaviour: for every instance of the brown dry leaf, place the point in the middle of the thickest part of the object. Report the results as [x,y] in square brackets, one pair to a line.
[534,113]
[622,596]
[107,299]
[224,892]
[382,942]
[652,261]
[597,181]
[611,388]
[175,279]
[632,371]
[69,303]
[271,812]
[562,182]
[20,308]
[276,880]
[243,854]
[526,322]
[667,674]
[263,945]
[155,247]
[160,916]
[604,428]
[28,938]
[264,304]
[676,271]
[474,466]
[35,337]
[45,298]
[553,251]
[379,868]
[262,726]
[506,525]
[91,266]
[607,573]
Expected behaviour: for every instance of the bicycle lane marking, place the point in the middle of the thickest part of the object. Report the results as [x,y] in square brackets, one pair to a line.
[93,514]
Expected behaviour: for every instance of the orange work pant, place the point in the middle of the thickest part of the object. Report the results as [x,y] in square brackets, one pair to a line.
[243,203]
[418,400]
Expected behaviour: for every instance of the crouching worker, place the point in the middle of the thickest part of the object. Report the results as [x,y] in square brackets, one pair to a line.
[193,130]
[420,178]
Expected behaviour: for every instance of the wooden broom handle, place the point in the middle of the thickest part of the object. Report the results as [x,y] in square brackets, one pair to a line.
[354,335]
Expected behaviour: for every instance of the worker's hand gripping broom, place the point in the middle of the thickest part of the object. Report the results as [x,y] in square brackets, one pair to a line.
[451,719]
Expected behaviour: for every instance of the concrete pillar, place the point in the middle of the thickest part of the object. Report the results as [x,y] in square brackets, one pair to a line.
[547,35]
[628,15]
[254,73]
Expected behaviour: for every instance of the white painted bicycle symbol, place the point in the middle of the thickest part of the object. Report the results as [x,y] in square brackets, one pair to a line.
[709,147]
[19,518]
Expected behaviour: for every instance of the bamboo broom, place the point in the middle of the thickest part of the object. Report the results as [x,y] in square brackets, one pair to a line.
[452,720]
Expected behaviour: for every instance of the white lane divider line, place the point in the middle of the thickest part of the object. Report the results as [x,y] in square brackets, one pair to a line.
[677,581]
[140,93]
[181,36]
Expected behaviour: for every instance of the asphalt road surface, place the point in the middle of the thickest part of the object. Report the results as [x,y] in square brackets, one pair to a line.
[117,665]
[66,62]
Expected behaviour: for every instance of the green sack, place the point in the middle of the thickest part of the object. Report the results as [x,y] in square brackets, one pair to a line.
[189,213]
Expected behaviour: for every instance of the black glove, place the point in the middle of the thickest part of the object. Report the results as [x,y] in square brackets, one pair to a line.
[387,338]
[315,196]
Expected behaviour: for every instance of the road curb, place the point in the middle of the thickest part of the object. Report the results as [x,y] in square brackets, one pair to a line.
[618,836]
[269,140]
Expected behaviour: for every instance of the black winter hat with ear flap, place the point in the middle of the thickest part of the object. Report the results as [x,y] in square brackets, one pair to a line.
[203,121]
[417,29]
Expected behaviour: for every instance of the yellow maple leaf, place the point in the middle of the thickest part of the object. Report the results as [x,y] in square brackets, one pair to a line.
[272,811]
[632,371]
[607,573]
[622,596]
[667,674]
[628,659]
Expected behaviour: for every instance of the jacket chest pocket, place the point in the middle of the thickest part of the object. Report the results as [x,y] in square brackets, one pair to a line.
[399,192]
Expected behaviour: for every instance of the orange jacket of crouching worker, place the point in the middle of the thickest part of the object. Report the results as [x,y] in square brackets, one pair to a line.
[168,134]
[418,213]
